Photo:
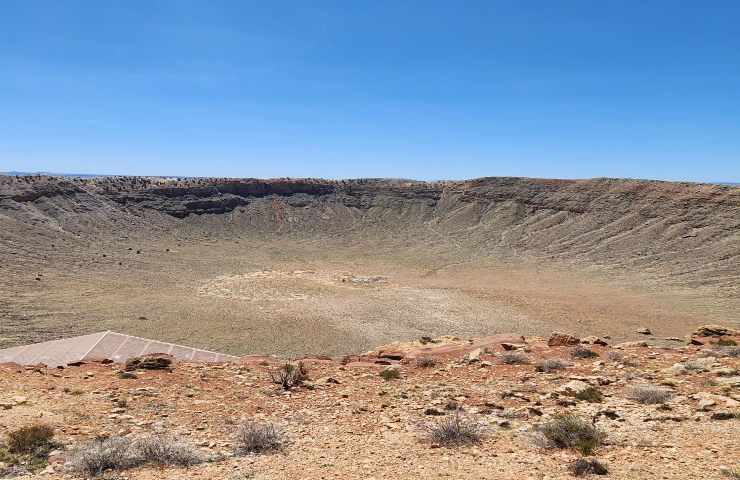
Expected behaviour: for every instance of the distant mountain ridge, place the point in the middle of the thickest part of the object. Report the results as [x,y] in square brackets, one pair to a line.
[14,173]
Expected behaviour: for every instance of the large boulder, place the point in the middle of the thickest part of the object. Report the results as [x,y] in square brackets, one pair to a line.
[714,331]
[558,339]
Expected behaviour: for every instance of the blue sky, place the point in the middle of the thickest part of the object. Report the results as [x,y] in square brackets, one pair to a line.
[413,89]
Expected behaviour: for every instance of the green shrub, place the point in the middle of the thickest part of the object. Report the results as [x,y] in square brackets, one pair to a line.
[571,431]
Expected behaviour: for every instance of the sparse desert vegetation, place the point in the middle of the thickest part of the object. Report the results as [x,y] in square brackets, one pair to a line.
[409,304]
[30,439]
[94,458]
[426,362]
[480,413]
[588,466]
[552,364]
[571,431]
[455,430]
[583,352]
[290,375]
[515,358]
[276,260]
[256,437]
[649,394]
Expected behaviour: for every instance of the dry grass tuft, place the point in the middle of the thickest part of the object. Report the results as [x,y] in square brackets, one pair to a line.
[649,394]
[253,437]
[159,450]
[118,453]
[552,364]
[515,358]
[100,455]
[455,431]
[426,362]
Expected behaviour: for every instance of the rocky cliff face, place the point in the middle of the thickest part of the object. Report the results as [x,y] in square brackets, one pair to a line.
[684,233]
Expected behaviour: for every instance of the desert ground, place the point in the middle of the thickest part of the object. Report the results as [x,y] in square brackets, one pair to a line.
[241,296]
[348,420]
[486,329]
[304,271]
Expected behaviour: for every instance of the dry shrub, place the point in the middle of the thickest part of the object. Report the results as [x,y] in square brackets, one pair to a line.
[552,364]
[583,352]
[31,439]
[118,453]
[455,431]
[159,450]
[571,431]
[590,395]
[290,375]
[253,437]
[587,466]
[426,362]
[515,358]
[649,394]
[390,374]
[93,458]
[615,356]
[618,357]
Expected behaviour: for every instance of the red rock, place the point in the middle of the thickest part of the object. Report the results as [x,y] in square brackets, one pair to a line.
[558,339]
[392,355]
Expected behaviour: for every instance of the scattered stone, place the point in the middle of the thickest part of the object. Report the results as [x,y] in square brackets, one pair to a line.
[706,403]
[725,416]
[392,354]
[573,388]
[631,344]
[644,331]
[474,356]
[434,411]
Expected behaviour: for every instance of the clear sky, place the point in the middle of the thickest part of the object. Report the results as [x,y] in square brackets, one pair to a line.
[350,88]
